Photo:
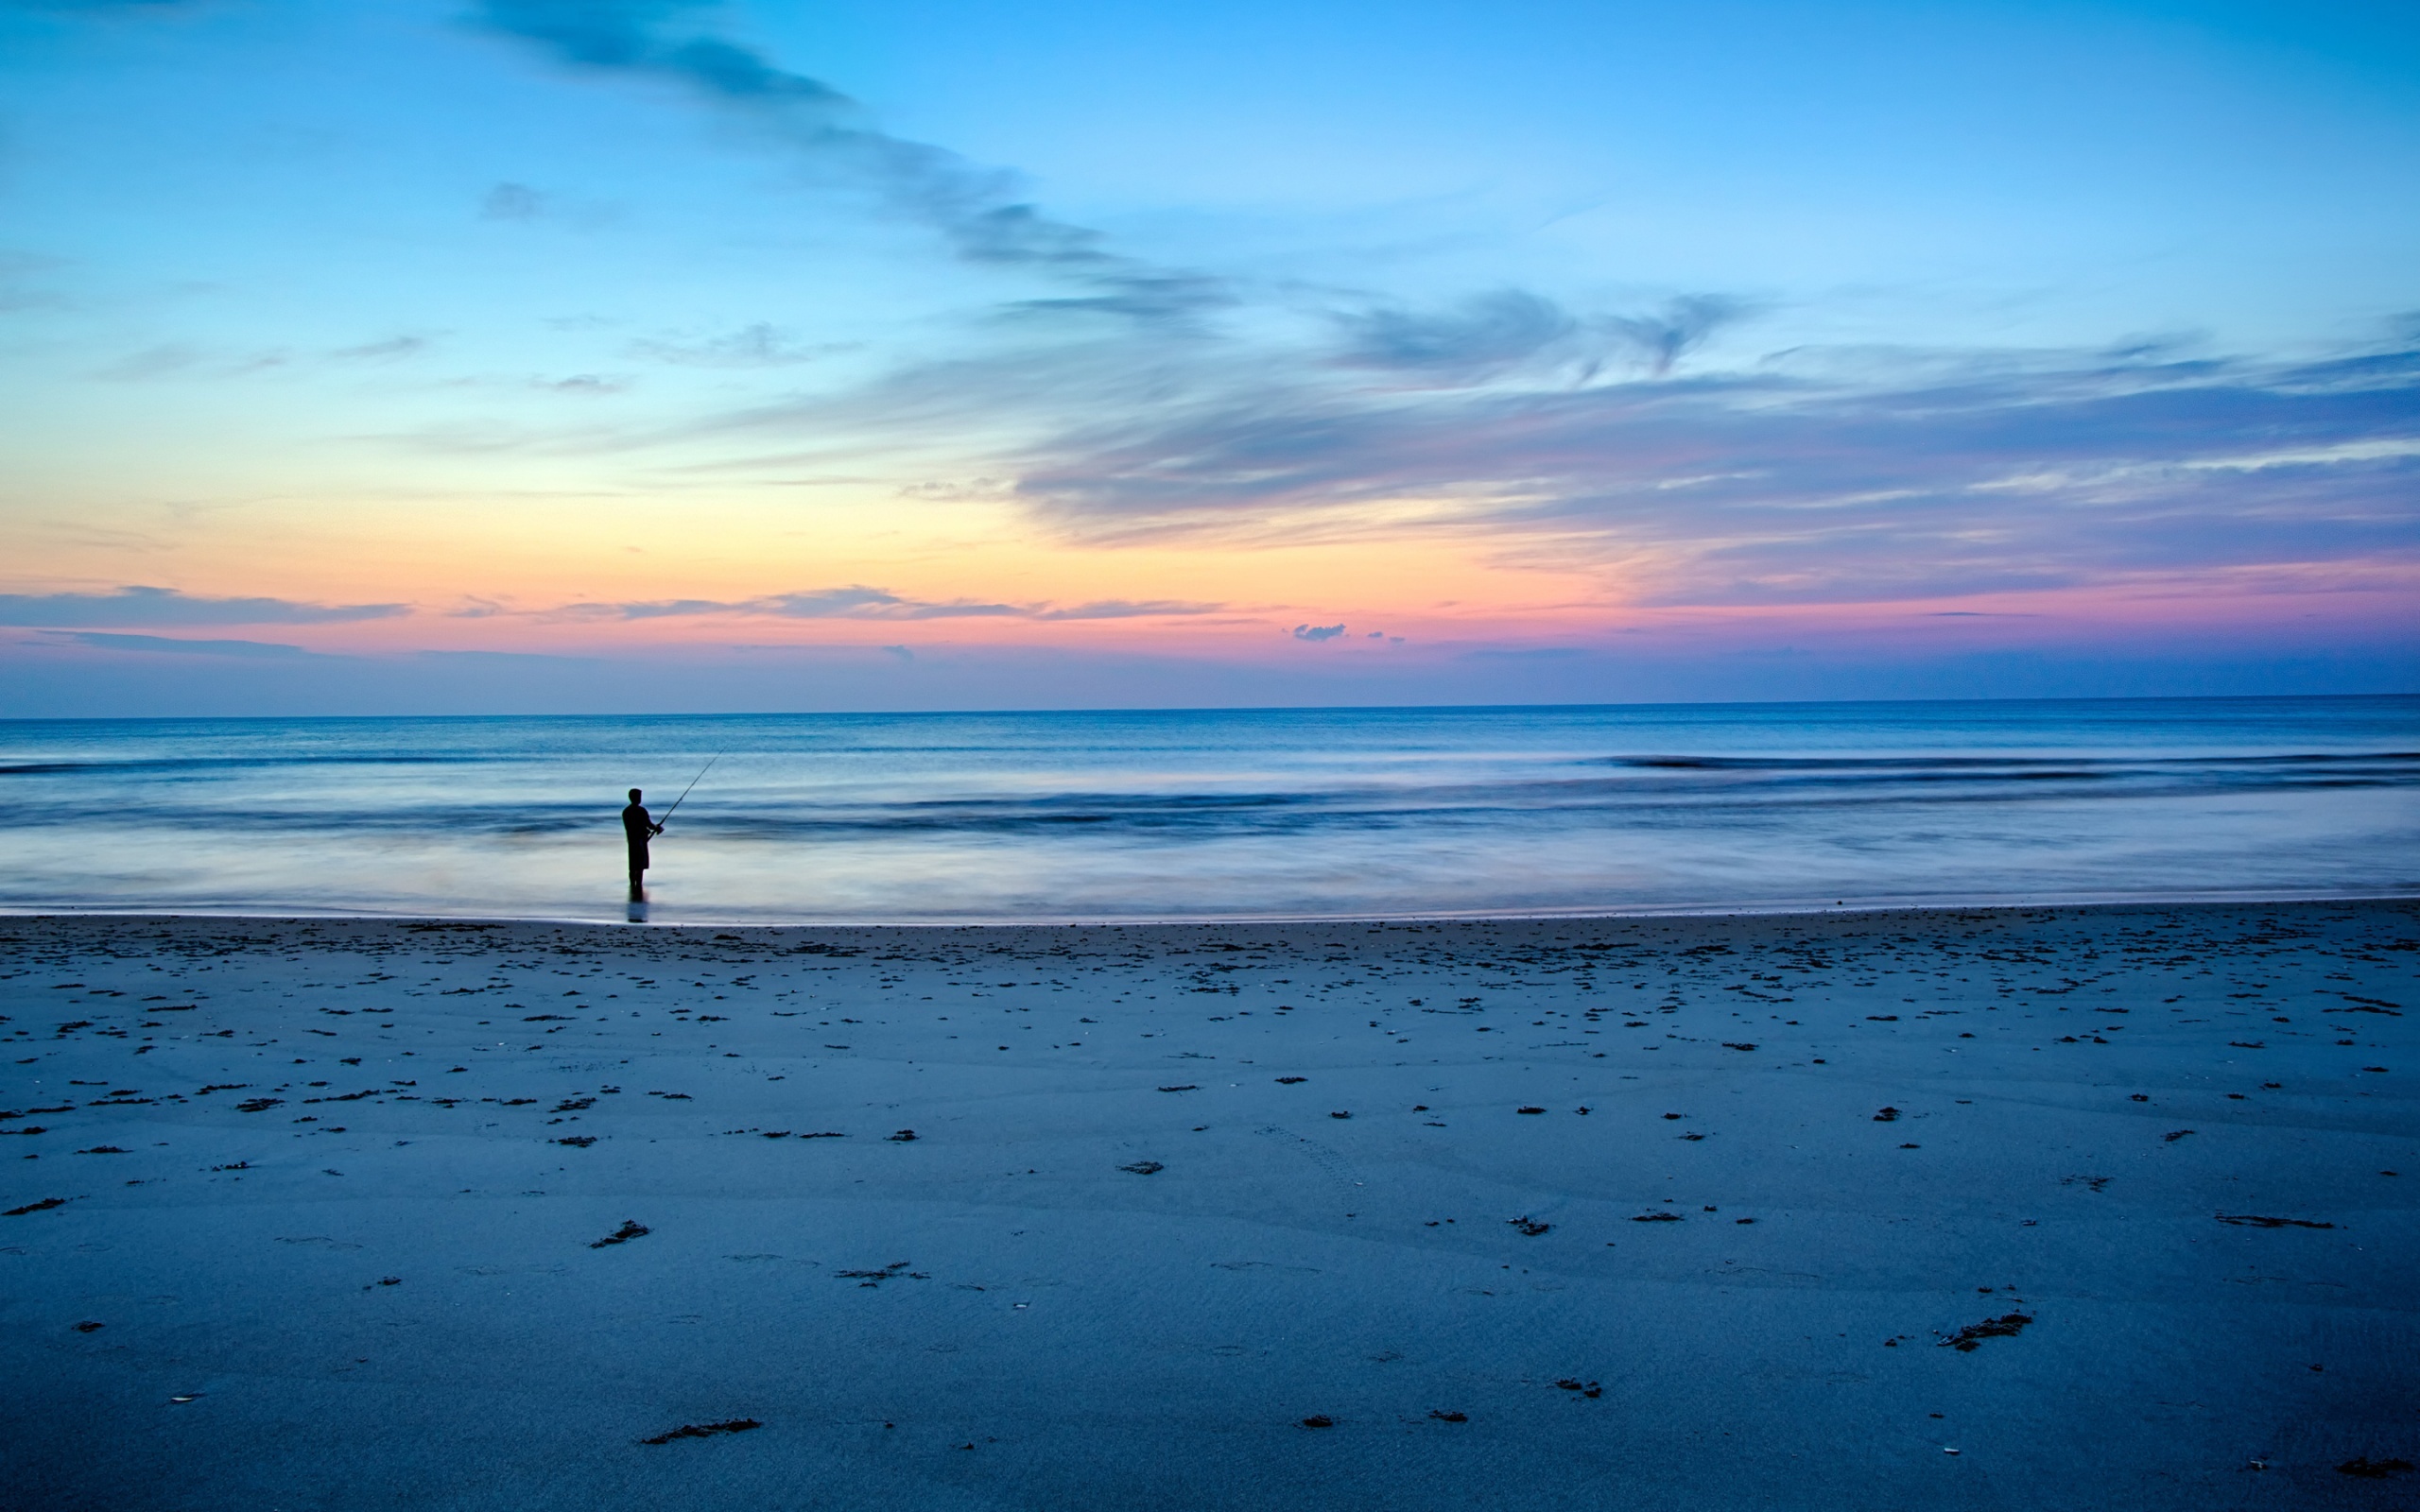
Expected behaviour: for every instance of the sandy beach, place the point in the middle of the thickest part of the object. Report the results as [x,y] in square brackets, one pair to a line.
[2010,1208]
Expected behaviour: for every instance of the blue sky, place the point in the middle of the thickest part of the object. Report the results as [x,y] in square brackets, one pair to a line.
[1980,349]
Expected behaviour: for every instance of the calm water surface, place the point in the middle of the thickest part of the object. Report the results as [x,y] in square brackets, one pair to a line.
[1253,813]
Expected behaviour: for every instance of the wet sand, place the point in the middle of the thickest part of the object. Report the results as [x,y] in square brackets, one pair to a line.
[2012,1208]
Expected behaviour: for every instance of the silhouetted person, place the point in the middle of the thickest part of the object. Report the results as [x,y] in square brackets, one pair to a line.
[637,828]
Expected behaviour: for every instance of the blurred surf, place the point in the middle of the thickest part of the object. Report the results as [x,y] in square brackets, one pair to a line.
[1225,814]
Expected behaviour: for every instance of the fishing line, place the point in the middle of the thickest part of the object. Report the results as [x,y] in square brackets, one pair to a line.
[693,783]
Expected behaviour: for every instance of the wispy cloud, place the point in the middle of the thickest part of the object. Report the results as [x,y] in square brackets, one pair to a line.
[1794,481]
[185,359]
[168,607]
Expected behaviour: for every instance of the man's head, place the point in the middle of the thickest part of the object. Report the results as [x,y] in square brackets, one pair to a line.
[634,794]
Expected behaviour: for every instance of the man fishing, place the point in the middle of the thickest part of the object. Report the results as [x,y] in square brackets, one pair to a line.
[638,826]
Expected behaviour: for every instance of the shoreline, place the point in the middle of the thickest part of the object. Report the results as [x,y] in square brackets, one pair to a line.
[1993,904]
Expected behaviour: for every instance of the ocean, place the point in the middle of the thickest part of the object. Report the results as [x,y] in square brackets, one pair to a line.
[1223,813]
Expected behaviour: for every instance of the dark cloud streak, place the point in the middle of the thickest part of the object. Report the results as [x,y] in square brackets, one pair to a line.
[858,602]
[168,607]
[1681,327]
[1510,330]
[976,209]
[102,641]
[855,602]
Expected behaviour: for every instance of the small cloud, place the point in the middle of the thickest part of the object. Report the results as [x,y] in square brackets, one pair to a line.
[872,603]
[1317,632]
[1165,298]
[1121,609]
[511,201]
[901,652]
[152,362]
[107,7]
[1483,333]
[392,350]
[530,658]
[173,358]
[582,384]
[167,607]
[827,603]
[661,608]
[855,602]
[750,346]
[1681,327]
[18,296]
[945,492]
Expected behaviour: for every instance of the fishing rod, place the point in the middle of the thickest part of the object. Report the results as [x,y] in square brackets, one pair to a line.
[693,783]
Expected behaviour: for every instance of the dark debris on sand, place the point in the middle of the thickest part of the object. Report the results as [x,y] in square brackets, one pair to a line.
[1971,1337]
[2254,1220]
[631,1229]
[729,1425]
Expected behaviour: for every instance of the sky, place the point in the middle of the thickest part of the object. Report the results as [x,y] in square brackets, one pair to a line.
[408,356]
